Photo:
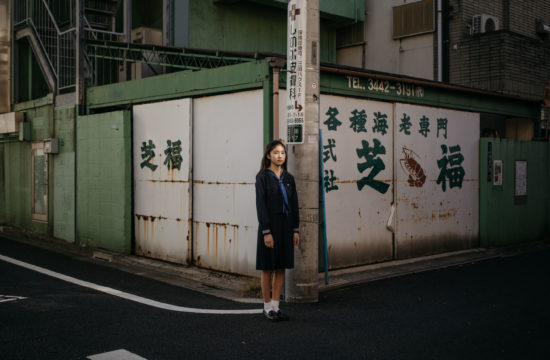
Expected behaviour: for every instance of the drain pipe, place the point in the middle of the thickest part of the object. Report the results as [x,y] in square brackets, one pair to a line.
[275,103]
[439,41]
[277,64]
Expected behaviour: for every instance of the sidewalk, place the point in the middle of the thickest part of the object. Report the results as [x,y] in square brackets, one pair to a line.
[247,289]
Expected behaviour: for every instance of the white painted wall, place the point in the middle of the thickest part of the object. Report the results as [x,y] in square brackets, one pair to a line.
[227,150]
[162,195]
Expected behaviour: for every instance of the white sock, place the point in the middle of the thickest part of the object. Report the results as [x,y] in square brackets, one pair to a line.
[267,306]
[275,305]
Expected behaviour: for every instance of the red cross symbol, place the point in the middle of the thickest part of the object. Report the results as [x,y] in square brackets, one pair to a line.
[294,12]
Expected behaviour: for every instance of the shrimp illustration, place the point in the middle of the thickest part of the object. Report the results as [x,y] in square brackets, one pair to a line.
[417,178]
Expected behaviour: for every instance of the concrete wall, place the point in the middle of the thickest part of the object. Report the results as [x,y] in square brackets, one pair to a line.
[104,186]
[503,219]
[413,56]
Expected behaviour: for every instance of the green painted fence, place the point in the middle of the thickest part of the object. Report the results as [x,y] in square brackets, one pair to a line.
[506,219]
[104,181]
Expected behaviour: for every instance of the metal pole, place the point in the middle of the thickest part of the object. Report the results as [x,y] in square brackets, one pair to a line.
[79,83]
[302,283]
[127,19]
[275,103]
[439,42]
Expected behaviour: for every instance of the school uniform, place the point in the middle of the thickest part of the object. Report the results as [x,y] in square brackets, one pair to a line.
[277,217]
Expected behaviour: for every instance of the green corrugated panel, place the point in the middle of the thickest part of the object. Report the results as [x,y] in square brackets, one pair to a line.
[181,84]
[64,175]
[18,200]
[2,186]
[503,221]
[104,181]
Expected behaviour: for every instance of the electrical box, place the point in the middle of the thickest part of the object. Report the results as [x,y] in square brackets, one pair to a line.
[51,146]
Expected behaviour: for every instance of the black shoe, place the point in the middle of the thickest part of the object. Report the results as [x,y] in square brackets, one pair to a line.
[271,315]
[282,316]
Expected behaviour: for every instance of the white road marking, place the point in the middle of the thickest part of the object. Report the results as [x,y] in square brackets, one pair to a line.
[6,298]
[116,355]
[126,295]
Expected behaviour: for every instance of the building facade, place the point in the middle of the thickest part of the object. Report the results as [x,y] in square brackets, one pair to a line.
[147,148]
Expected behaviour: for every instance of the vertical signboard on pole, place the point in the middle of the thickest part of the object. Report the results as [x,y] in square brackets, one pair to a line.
[296,64]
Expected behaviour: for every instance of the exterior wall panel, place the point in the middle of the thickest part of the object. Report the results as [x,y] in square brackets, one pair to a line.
[357,209]
[104,181]
[437,180]
[228,146]
[162,170]
[503,220]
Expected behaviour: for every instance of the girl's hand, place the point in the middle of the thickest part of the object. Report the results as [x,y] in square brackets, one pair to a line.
[268,240]
[296,239]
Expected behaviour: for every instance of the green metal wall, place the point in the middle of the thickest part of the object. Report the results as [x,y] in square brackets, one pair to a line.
[17,169]
[104,181]
[17,184]
[2,185]
[246,26]
[502,221]
[64,175]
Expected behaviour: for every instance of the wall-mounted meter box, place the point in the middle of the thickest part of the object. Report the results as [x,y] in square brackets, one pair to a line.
[51,146]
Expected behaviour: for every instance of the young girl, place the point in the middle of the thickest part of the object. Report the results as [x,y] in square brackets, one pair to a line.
[277,208]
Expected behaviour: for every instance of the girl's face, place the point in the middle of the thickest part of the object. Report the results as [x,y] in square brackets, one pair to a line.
[277,156]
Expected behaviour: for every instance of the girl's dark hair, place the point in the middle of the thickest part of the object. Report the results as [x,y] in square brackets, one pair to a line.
[266,162]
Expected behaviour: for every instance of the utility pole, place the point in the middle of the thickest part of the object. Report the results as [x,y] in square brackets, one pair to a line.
[302,283]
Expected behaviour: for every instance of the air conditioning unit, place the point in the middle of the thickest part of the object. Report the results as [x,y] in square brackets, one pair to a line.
[146,36]
[484,23]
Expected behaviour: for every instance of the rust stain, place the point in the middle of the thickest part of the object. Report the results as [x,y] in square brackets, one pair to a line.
[216,243]
[202,182]
[171,172]
[414,205]
[221,224]
[447,214]
[225,240]
[207,239]
[138,230]
[168,181]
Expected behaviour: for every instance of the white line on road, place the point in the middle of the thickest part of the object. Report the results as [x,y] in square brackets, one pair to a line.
[116,355]
[6,298]
[126,295]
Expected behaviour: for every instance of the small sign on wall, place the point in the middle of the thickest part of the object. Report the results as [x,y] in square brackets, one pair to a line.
[497,171]
[521,182]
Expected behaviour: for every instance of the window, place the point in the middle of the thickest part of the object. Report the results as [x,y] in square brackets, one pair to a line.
[413,19]
[39,190]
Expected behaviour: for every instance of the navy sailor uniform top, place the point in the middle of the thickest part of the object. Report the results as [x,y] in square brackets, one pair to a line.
[270,201]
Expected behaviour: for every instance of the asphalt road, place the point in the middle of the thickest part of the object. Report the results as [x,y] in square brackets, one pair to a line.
[495,309]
